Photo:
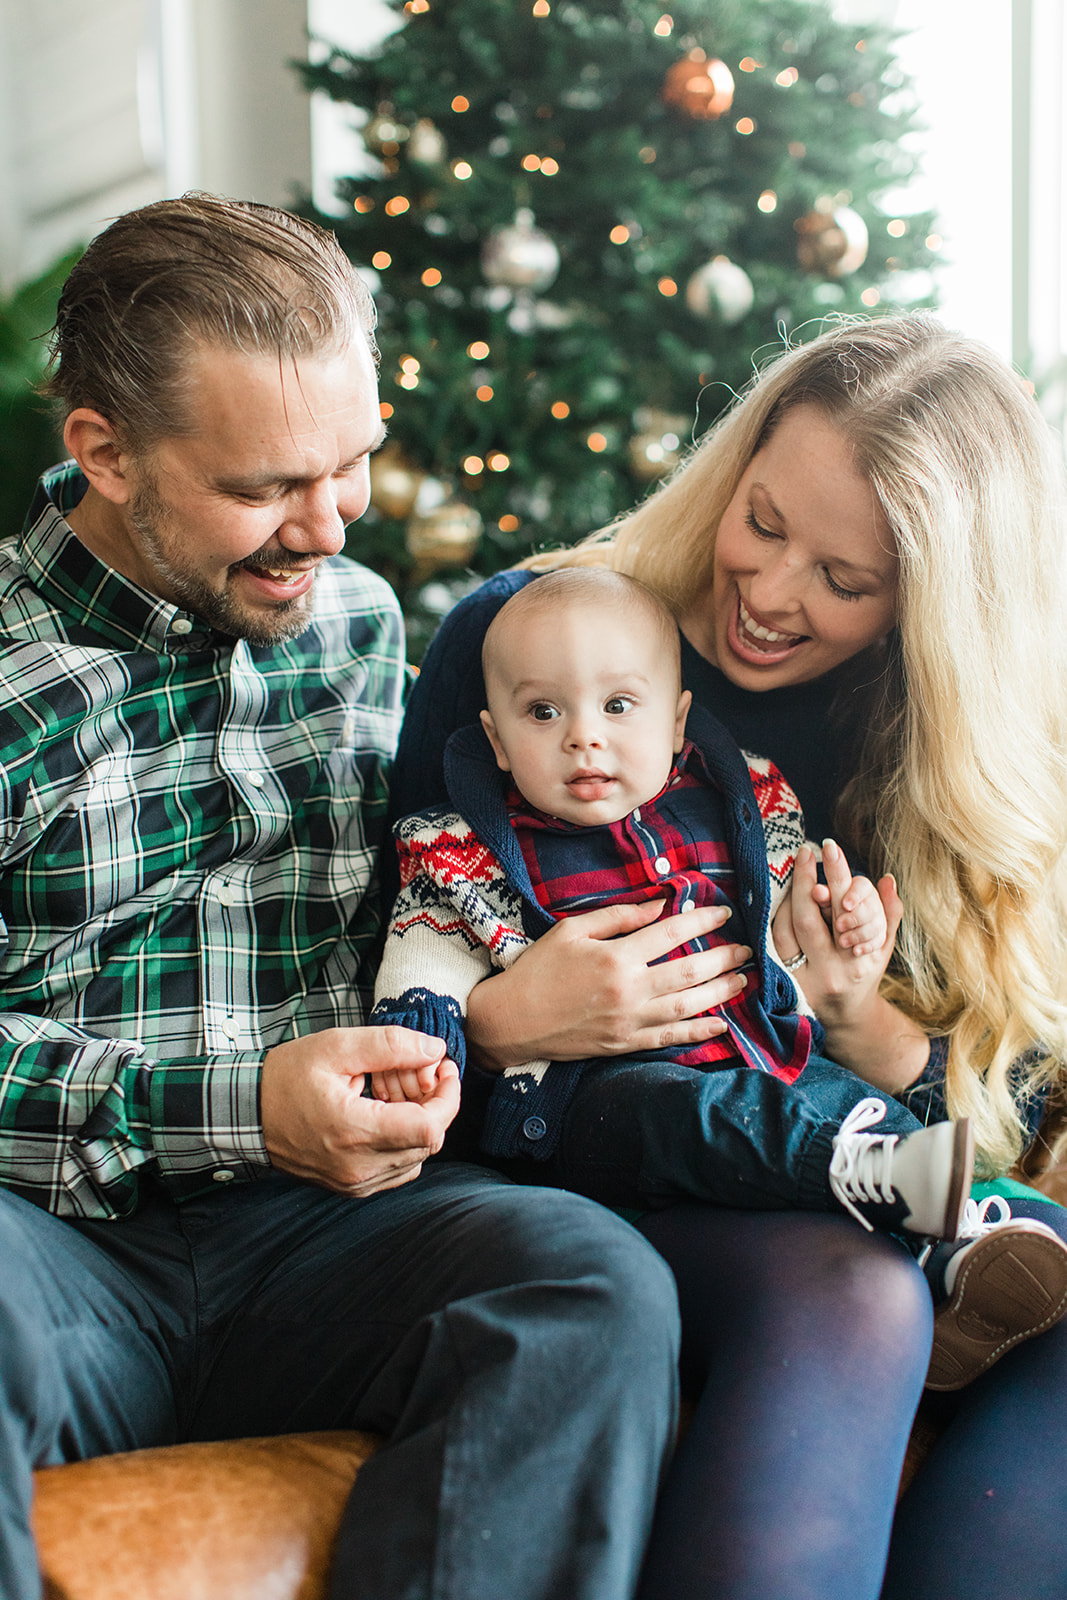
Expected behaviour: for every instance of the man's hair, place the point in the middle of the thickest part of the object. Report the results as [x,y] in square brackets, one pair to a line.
[230,274]
[587,587]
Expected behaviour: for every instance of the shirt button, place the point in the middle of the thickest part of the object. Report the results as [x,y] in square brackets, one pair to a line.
[231,1029]
[181,625]
[224,895]
[256,779]
[637,813]
[662,865]
[222,1175]
[535,1127]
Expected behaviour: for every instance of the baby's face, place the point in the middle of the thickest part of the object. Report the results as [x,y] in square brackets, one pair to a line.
[585,712]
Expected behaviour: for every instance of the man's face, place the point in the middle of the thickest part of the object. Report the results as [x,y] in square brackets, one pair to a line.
[231,520]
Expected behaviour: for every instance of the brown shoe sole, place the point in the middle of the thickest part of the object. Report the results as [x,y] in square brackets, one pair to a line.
[1012,1287]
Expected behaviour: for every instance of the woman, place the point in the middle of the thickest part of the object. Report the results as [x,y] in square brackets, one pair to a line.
[866,557]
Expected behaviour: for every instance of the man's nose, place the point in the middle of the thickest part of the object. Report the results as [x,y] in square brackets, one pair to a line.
[314,525]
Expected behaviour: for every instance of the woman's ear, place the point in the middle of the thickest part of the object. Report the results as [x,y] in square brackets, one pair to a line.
[494,739]
[685,700]
[105,462]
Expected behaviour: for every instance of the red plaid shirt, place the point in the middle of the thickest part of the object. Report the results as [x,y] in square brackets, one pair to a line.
[671,848]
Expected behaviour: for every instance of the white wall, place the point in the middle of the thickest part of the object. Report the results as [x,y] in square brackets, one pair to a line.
[113,103]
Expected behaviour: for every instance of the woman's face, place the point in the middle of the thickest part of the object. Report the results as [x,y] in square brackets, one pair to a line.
[805,572]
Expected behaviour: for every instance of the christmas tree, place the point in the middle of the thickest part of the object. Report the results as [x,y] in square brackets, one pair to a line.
[588,216]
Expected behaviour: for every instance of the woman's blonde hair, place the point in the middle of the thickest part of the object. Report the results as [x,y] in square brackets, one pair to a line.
[961,790]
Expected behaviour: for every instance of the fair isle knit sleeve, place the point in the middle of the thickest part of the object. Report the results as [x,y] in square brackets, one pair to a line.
[455,921]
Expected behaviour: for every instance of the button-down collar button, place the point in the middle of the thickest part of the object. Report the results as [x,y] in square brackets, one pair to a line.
[256,779]
[222,1175]
[181,625]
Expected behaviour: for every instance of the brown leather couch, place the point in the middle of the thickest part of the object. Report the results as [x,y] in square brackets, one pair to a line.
[252,1519]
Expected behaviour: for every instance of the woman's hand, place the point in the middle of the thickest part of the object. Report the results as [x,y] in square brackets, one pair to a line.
[845,930]
[586,988]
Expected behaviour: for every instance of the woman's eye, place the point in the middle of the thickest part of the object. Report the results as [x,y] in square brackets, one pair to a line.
[841,593]
[757,527]
[543,713]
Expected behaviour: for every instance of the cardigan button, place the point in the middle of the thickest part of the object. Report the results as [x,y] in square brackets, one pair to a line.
[535,1127]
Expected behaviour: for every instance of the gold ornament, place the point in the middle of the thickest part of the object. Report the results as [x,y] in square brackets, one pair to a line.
[445,535]
[720,289]
[656,446]
[831,240]
[384,133]
[699,86]
[394,480]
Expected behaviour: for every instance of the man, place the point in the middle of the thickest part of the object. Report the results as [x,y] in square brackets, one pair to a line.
[207,1228]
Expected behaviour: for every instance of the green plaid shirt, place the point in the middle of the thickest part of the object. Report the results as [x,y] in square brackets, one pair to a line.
[188,830]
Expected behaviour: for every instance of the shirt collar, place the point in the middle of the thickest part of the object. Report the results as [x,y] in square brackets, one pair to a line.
[689,762]
[88,593]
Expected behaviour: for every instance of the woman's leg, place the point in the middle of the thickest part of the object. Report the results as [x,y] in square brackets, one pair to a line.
[986,1517]
[805,1344]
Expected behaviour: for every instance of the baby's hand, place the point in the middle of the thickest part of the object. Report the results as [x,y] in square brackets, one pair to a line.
[844,930]
[851,907]
[406,1083]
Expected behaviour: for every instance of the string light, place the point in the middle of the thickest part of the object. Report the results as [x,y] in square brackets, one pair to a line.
[560,410]
[362,203]
[483,392]
[870,297]
[381,259]
[408,380]
[472,465]
[934,241]
[385,411]
[646,154]
[508,523]
[531,163]
[620,234]
[541,8]
[461,103]
[667,287]
[463,170]
[750,64]
[497,461]
[745,126]
[664,27]
[431,277]
[417,6]
[786,79]
[478,350]
[597,443]
[549,167]
[397,206]
[768,201]
[410,364]
[897,228]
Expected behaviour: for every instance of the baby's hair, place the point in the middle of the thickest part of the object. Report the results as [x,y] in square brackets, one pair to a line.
[584,586]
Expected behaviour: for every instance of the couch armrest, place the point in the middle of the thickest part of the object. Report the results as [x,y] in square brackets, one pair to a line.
[247,1519]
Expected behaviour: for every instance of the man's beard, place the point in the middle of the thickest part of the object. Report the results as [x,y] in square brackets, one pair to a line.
[150,516]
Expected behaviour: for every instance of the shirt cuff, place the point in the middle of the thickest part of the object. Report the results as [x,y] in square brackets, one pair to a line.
[206,1122]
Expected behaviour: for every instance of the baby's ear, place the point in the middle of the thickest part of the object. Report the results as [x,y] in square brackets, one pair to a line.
[494,739]
[685,700]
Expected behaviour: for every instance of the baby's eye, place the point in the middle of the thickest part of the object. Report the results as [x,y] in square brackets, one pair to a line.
[541,712]
[618,705]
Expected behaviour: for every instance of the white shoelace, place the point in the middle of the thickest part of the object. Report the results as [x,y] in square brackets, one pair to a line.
[862,1163]
[976,1219]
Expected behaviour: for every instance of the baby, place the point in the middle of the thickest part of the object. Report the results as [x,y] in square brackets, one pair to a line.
[593,780]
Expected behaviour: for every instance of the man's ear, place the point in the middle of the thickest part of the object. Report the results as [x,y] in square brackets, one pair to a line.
[685,700]
[494,739]
[93,442]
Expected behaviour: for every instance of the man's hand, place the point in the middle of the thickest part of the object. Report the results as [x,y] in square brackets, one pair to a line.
[319,1125]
